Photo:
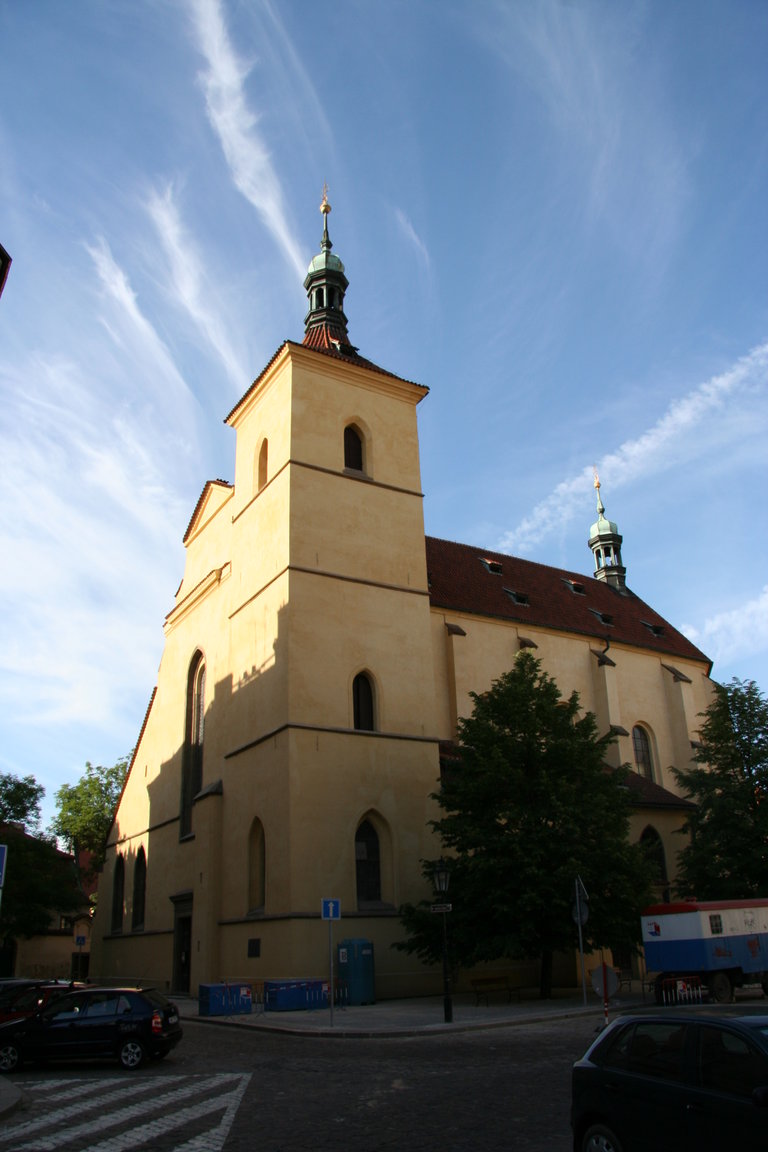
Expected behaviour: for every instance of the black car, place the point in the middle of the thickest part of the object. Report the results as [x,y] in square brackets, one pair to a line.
[657,1083]
[127,1024]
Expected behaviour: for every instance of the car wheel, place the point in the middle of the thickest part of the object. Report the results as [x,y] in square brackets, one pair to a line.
[131,1053]
[720,988]
[10,1058]
[599,1138]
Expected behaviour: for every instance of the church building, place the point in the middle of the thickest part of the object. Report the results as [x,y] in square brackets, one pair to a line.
[318,654]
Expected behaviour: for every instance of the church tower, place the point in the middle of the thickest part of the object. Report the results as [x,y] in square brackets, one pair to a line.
[605,543]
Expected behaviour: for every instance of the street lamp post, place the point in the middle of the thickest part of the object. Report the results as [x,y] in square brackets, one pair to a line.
[442,875]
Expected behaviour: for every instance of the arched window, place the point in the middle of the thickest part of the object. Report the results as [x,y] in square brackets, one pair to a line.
[118,894]
[139,891]
[263,461]
[192,760]
[367,864]
[353,448]
[362,702]
[256,866]
[642,747]
[653,850]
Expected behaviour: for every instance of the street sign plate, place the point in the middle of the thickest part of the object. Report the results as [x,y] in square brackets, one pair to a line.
[80,941]
[441,908]
[3,854]
[331,909]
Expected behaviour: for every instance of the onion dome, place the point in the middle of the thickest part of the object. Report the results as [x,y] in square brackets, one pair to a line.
[605,543]
[325,325]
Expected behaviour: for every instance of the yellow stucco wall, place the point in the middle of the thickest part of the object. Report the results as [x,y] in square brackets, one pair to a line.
[297,578]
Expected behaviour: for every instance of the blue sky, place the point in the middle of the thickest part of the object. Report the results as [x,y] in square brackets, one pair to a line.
[551,213]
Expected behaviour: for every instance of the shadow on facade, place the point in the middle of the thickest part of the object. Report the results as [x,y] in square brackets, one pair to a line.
[159,906]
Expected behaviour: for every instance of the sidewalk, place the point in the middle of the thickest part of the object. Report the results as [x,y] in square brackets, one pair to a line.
[421,1016]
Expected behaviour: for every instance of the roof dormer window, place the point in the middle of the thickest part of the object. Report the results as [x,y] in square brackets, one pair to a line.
[492,566]
[517,597]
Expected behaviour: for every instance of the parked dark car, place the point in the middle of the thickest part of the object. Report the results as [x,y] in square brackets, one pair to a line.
[664,1082]
[127,1024]
[31,998]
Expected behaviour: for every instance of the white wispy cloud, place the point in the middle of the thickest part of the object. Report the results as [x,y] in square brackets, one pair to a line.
[236,125]
[736,634]
[97,442]
[134,335]
[412,236]
[188,279]
[675,436]
[608,100]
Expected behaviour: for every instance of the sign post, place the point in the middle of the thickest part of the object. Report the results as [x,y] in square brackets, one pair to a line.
[330,911]
[581,915]
[3,858]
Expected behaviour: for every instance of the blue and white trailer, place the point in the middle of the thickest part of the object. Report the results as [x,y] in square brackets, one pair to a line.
[717,944]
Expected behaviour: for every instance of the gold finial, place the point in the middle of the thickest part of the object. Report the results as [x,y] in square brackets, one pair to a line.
[597,479]
[325,206]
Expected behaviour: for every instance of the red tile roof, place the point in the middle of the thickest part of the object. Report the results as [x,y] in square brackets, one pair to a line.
[460,581]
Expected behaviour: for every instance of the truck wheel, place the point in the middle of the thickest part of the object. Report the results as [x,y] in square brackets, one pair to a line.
[720,988]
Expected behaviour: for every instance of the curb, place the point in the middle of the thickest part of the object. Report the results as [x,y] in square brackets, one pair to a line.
[345,1033]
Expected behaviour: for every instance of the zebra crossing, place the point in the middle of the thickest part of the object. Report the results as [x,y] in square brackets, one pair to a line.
[176,1114]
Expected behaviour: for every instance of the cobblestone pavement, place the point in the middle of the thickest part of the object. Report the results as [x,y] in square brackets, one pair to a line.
[250,1090]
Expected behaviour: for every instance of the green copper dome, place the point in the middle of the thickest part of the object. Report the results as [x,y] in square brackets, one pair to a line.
[325,262]
[603,526]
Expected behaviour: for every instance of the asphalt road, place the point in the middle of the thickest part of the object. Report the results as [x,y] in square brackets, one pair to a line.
[244,1090]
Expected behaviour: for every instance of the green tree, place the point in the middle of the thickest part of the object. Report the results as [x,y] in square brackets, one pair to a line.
[727,855]
[40,881]
[529,807]
[20,801]
[84,811]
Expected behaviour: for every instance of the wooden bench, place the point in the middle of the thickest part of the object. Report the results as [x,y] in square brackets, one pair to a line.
[483,986]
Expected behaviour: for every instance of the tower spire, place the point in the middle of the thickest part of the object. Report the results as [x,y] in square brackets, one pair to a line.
[605,544]
[325,325]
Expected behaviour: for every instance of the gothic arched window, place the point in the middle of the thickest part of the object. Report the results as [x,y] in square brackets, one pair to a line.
[256,866]
[363,703]
[367,864]
[642,747]
[353,448]
[263,462]
[139,890]
[192,757]
[118,894]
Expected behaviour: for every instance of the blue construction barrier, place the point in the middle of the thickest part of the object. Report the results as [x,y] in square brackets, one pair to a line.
[295,995]
[225,999]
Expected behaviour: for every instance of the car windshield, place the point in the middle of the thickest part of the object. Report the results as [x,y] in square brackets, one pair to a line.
[71,1005]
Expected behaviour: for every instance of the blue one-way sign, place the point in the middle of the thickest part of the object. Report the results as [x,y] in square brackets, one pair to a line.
[331,909]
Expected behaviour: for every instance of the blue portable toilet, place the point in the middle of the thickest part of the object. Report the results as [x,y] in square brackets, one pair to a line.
[356,971]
